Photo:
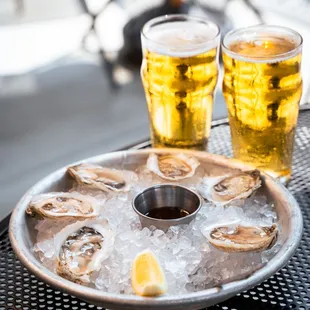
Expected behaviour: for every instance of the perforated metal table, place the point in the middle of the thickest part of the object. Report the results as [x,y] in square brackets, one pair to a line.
[288,289]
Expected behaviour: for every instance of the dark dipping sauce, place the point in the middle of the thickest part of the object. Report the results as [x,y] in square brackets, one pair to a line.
[167,213]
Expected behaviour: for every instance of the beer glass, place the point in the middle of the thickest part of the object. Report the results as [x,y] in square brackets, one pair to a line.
[262,87]
[179,74]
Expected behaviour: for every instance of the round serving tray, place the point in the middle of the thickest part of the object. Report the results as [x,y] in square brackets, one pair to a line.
[22,236]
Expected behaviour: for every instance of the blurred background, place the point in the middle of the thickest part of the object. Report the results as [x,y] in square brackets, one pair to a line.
[69,76]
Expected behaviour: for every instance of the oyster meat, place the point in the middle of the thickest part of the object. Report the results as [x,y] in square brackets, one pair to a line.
[222,190]
[172,167]
[241,238]
[63,205]
[98,177]
[81,248]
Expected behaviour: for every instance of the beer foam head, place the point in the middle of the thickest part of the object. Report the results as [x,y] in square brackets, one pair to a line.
[265,44]
[181,38]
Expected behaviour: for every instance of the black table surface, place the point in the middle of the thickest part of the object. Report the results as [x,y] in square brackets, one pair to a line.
[287,289]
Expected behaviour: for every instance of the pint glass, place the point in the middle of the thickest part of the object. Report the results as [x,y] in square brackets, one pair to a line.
[262,87]
[179,74]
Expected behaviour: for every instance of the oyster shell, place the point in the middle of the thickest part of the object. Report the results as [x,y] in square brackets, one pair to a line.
[172,167]
[222,190]
[242,238]
[63,205]
[81,248]
[105,179]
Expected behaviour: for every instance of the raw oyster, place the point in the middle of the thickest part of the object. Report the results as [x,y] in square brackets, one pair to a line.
[105,179]
[63,205]
[81,248]
[222,190]
[172,167]
[241,238]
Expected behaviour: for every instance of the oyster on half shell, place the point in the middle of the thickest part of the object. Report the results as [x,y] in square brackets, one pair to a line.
[242,238]
[63,205]
[222,190]
[172,167]
[81,248]
[102,178]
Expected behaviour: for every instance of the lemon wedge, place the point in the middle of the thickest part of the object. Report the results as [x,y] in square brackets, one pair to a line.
[147,276]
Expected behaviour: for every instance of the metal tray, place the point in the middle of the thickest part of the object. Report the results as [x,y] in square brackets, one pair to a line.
[22,238]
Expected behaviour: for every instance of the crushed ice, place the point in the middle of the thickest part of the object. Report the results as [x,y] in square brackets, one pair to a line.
[189,262]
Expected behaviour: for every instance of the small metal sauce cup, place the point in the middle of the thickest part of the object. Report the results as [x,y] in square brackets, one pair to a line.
[166,195]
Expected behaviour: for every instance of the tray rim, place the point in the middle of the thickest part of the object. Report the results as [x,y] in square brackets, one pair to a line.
[204,297]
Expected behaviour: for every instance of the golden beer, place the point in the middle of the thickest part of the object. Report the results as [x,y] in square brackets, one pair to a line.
[262,87]
[179,74]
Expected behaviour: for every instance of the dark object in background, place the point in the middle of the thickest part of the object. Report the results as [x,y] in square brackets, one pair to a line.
[131,54]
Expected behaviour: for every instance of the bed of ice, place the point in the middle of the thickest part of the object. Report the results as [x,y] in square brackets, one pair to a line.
[190,263]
